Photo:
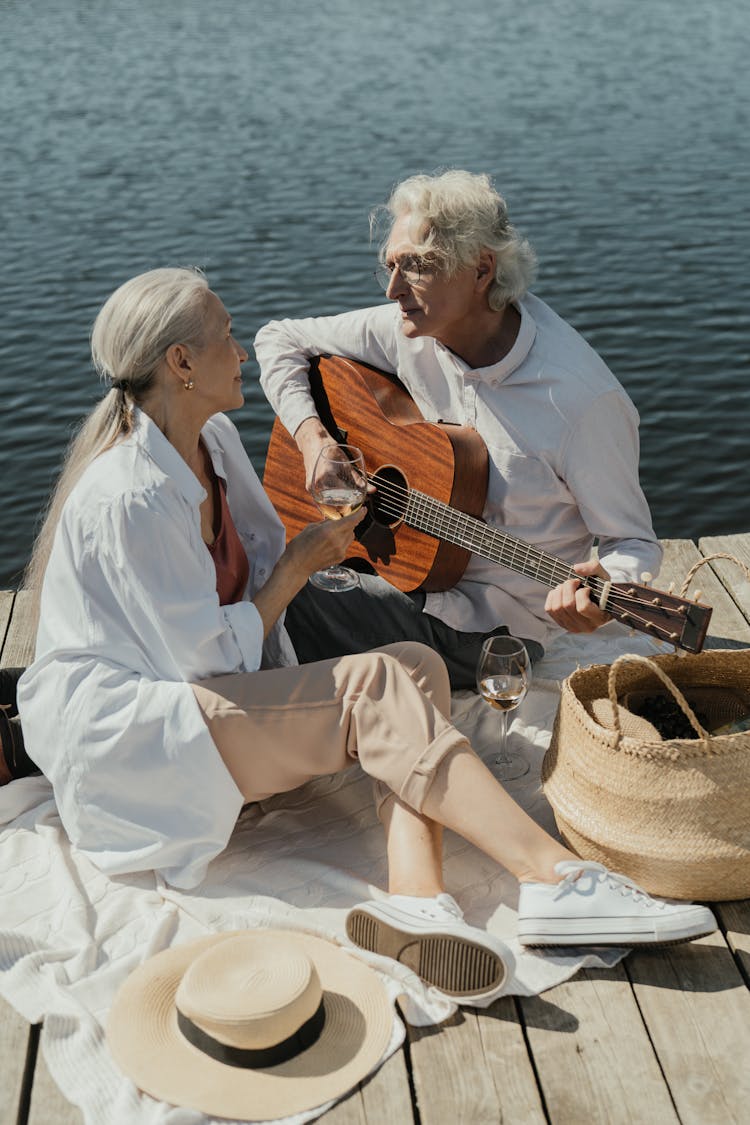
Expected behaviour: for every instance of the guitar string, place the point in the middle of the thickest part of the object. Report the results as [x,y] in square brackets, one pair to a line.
[624,603]
[407,503]
[469,532]
[616,601]
[480,536]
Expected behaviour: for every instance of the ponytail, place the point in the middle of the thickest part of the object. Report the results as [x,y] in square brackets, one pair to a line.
[130,337]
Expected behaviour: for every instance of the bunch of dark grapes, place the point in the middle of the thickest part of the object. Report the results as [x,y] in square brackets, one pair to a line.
[667,716]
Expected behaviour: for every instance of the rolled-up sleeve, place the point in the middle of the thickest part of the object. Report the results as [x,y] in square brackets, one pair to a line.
[601,470]
[283,348]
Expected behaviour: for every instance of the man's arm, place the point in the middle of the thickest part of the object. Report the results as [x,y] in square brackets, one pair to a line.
[284,347]
[601,470]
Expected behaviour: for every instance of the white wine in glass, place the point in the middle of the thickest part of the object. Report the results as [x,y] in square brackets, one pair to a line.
[503,674]
[339,487]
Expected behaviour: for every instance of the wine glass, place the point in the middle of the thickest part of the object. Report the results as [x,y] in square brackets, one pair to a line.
[339,486]
[503,674]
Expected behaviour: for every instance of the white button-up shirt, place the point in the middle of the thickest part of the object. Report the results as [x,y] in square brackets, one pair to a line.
[561,433]
[129,617]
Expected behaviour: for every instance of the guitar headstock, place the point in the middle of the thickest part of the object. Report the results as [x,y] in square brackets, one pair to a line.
[661,615]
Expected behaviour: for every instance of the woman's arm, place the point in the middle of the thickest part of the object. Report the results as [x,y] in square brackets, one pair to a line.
[317,546]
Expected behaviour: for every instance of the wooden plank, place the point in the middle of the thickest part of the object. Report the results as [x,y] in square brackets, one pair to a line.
[452,1079]
[730,574]
[697,1010]
[15,1036]
[727,622]
[18,650]
[506,1055]
[387,1095]
[592,1054]
[47,1103]
[349,1112]
[735,918]
[6,608]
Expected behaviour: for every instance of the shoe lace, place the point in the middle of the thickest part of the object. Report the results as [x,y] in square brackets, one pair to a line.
[449,904]
[619,883]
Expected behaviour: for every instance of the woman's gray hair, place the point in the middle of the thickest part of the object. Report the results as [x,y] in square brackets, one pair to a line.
[129,340]
[141,320]
[454,216]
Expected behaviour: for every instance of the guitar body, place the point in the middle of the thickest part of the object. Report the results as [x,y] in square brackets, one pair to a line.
[362,406]
[423,520]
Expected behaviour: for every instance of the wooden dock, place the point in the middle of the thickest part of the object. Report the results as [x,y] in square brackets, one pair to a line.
[662,1038]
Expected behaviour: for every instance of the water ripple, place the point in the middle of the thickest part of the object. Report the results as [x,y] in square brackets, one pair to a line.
[252,139]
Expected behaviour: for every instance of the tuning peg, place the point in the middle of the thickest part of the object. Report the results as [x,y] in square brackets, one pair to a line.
[670,589]
[646,577]
[698,595]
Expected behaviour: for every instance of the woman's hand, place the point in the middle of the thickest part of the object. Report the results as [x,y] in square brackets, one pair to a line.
[321,544]
[317,546]
[570,604]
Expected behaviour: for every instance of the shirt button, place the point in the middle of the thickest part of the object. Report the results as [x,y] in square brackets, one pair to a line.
[262,572]
[252,536]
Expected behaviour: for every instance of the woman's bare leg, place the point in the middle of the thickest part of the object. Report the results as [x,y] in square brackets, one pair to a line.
[414,845]
[466,798]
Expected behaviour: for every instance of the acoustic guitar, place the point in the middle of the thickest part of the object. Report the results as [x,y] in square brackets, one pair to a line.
[424,519]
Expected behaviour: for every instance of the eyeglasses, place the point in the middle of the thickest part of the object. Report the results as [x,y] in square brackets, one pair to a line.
[411,267]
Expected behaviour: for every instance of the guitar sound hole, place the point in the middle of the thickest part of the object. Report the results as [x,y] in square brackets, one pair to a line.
[388,505]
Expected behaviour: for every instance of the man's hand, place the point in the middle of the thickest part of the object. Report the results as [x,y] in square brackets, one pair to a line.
[570,605]
[310,436]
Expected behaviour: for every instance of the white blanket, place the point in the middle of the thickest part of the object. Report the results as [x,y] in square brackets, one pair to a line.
[69,935]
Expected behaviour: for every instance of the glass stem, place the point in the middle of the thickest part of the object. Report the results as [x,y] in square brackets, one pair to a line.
[502,758]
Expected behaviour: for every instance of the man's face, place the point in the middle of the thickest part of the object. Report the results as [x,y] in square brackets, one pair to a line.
[434,305]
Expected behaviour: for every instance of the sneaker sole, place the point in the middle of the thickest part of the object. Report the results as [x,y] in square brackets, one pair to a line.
[456,966]
[539,941]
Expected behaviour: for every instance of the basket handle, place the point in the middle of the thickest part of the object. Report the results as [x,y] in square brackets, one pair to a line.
[634,658]
[702,562]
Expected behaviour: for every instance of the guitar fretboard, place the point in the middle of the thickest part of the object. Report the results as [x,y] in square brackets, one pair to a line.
[425,514]
[433,517]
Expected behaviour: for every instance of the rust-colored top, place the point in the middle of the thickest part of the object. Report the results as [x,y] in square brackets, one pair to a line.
[230,560]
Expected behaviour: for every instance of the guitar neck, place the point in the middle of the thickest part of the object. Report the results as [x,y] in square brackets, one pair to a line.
[432,517]
[659,614]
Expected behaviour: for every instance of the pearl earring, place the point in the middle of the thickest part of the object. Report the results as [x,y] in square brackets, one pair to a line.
[189,385]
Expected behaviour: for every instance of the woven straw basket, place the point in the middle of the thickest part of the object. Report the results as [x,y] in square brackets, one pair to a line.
[673,815]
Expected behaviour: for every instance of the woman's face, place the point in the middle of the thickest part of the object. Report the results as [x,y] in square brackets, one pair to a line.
[217,373]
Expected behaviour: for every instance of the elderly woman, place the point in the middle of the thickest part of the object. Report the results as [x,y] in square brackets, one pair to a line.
[165,692]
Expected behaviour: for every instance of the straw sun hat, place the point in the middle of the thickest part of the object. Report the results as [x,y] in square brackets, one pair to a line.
[251,1024]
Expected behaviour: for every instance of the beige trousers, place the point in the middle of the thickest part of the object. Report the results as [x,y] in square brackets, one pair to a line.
[386,708]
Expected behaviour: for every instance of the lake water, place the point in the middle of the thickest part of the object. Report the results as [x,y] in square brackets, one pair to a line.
[252,138]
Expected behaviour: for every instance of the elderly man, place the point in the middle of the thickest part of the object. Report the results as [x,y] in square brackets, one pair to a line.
[473,346]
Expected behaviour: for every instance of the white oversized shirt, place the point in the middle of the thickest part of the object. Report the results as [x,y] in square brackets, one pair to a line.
[561,433]
[129,617]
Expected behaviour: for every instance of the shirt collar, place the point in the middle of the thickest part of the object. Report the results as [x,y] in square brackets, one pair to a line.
[153,442]
[214,447]
[497,372]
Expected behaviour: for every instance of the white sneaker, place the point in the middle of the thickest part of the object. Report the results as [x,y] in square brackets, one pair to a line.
[593,906]
[430,936]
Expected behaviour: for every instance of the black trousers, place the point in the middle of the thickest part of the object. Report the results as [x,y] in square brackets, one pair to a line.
[323,625]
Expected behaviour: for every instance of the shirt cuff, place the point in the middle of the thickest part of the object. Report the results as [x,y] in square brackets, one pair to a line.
[246,625]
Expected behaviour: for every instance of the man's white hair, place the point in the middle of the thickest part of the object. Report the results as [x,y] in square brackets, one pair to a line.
[454,216]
